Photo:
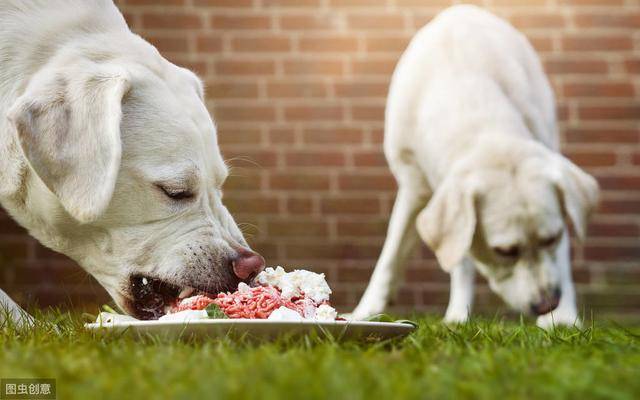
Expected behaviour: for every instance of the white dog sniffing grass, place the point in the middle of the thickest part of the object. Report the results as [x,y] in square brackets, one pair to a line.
[471,139]
[108,155]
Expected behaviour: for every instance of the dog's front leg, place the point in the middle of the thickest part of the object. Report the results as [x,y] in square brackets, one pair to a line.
[461,295]
[567,312]
[401,239]
[9,310]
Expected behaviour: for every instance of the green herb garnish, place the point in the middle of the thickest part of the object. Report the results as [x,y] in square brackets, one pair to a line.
[214,312]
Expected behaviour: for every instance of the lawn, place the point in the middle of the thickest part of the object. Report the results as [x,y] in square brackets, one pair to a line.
[486,359]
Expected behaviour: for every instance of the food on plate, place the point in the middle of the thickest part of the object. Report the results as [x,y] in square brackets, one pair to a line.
[277,295]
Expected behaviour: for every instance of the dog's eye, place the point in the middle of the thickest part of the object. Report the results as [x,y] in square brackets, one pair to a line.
[549,241]
[177,194]
[508,252]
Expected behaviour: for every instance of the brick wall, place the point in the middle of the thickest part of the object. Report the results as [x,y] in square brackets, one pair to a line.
[298,89]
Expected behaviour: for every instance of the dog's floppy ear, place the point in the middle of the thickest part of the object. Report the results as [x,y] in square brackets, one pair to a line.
[68,125]
[578,193]
[448,222]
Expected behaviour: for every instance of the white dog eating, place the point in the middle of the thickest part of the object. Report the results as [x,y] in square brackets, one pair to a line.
[108,155]
[471,139]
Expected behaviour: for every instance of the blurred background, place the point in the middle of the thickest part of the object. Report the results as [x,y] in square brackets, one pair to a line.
[298,88]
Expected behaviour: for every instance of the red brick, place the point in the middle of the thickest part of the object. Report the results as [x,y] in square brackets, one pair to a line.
[602,89]
[617,206]
[251,204]
[349,205]
[369,227]
[267,250]
[571,66]
[231,90]
[282,135]
[368,113]
[308,22]
[261,44]
[291,89]
[431,275]
[299,205]
[244,113]
[422,3]
[602,135]
[228,136]
[607,20]
[155,2]
[383,67]
[328,44]
[592,158]
[314,67]
[386,43]
[612,253]
[596,43]
[245,67]
[632,65]
[291,3]
[603,3]
[368,4]
[369,90]
[8,226]
[354,274]
[537,20]
[290,181]
[362,181]
[613,229]
[315,159]
[224,3]
[311,113]
[369,159]
[171,21]
[384,21]
[240,22]
[168,44]
[15,248]
[332,251]
[209,44]
[297,228]
[332,135]
[621,112]
[612,182]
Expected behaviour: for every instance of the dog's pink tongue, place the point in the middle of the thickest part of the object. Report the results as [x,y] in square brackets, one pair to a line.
[247,265]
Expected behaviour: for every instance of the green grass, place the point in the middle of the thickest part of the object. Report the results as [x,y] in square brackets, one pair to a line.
[486,359]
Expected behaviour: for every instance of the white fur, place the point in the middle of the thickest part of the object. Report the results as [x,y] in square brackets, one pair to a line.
[471,139]
[92,121]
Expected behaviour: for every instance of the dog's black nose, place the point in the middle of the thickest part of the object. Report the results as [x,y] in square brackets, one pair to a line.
[247,264]
[549,302]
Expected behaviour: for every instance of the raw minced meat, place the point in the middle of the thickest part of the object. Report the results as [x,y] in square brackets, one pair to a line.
[304,292]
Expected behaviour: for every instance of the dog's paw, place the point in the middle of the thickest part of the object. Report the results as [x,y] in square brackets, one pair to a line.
[455,317]
[555,319]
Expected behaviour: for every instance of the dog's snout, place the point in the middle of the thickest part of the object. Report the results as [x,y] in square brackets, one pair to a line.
[548,303]
[247,264]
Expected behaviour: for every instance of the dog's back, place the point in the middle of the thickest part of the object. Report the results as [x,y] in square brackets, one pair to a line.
[464,72]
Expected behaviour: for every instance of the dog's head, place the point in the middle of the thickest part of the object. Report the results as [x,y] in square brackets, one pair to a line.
[506,208]
[124,160]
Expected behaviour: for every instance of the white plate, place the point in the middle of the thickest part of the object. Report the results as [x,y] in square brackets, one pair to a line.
[258,328]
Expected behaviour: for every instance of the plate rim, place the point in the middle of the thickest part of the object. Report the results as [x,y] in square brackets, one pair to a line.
[246,321]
